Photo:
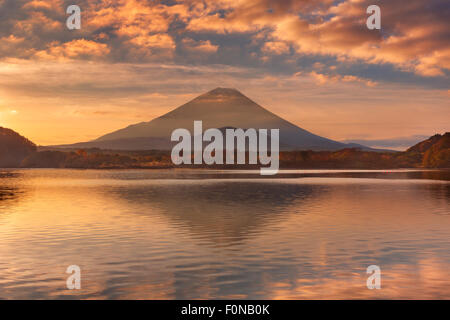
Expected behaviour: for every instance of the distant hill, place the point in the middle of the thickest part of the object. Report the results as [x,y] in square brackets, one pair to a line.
[14,148]
[219,108]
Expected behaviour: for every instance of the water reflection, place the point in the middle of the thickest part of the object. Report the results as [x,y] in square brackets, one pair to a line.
[144,234]
[8,193]
[220,211]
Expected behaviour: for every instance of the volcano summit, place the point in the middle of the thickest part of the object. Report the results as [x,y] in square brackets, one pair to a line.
[220,108]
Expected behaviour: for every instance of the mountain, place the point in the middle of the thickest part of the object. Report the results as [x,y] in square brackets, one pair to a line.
[219,108]
[14,148]
[435,151]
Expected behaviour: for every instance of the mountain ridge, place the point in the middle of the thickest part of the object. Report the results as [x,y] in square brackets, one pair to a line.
[17,151]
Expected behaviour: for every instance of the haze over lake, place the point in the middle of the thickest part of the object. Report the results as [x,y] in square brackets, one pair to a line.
[204,234]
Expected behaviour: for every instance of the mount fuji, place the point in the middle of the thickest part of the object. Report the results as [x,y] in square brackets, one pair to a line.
[219,108]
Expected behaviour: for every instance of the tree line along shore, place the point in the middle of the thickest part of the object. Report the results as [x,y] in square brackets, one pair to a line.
[17,151]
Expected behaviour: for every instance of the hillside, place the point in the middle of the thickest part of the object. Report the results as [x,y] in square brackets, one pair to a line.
[14,148]
[435,151]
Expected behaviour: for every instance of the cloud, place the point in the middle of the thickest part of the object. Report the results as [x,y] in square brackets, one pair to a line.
[276,47]
[10,44]
[200,46]
[73,50]
[396,143]
[153,41]
[41,4]
[322,79]
[413,37]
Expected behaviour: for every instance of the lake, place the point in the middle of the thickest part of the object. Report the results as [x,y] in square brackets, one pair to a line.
[210,234]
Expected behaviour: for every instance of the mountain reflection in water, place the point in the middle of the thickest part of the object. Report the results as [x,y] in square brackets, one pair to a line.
[199,234]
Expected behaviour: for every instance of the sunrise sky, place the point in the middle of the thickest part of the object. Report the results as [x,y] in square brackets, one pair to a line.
[314,63]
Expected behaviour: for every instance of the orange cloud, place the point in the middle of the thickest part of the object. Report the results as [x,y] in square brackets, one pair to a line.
[161,40]
[11,39]
[35,21]
[413,40]
[200,46]
[412,46]
[128,18]
[321,79]
[42,4]
[74,49]
[276,47]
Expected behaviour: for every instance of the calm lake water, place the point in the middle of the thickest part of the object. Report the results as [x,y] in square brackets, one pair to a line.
[183,234]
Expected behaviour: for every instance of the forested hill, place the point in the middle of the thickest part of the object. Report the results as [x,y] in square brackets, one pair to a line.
[435,151]
[14,148]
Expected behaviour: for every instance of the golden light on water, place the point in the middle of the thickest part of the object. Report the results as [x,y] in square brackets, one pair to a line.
[136,235]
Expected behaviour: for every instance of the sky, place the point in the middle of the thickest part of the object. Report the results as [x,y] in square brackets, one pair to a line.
[314,63]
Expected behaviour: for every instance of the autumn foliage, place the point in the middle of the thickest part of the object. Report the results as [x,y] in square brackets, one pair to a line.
[17,151]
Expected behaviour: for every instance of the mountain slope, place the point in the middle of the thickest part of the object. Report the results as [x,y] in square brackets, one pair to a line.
[219,108]
[14,148]
[436,151]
